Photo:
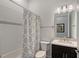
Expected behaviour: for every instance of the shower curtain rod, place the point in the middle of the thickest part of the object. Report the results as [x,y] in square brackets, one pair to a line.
[22,7]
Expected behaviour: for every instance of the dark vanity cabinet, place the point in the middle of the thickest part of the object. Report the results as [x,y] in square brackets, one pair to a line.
[63,52]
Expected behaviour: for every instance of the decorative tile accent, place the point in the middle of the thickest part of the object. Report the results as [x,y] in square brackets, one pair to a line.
[31,34]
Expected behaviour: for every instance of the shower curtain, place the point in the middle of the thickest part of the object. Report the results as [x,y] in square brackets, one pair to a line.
[31,42]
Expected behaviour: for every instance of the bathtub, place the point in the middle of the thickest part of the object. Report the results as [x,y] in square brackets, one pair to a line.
[13,54]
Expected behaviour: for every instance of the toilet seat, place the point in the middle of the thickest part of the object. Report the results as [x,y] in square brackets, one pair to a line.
[40,54]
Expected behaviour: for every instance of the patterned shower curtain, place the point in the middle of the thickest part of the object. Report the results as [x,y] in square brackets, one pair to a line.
[31,42]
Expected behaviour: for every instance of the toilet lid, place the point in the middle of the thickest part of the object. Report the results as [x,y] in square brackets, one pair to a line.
[40,53]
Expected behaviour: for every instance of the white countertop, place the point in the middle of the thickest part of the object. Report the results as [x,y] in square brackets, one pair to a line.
[67,42]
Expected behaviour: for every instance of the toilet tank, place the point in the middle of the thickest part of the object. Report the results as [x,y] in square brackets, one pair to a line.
[44,45]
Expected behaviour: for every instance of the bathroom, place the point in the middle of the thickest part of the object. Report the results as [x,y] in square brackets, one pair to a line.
[48,25]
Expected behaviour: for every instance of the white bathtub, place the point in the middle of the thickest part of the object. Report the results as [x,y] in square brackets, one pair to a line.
[13,54]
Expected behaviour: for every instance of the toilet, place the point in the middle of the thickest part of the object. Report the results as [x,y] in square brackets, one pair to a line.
[42,53]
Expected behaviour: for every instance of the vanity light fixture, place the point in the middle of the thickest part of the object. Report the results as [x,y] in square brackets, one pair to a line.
[66,8]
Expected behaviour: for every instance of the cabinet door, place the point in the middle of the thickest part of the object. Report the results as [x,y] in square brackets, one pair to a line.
[57,51]
[63,52]
[71,53]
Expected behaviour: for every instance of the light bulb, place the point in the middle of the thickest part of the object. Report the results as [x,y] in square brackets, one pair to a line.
[64,9]
[70,8]
[77,7]
[58,10]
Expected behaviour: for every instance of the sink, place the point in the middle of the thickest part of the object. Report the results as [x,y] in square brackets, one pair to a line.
[65,42]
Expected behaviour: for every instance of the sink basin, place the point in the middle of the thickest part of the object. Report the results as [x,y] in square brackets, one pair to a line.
[69,43]
[66,41]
